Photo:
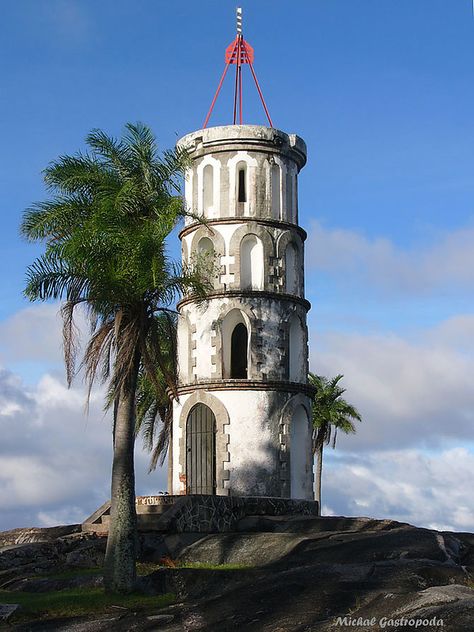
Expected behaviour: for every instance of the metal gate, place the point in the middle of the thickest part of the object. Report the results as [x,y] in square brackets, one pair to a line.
[201,451]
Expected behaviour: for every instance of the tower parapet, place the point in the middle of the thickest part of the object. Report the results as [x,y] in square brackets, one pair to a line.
[244,171]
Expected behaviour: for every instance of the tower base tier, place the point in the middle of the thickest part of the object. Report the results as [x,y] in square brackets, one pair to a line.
[242,443]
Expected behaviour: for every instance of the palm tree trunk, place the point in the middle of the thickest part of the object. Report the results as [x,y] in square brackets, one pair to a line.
[319,475]
[120,556]
[170,461]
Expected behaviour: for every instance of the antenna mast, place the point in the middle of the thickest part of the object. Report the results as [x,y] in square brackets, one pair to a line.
[238,53]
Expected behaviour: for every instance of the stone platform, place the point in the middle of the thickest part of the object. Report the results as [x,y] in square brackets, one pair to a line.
[200,513]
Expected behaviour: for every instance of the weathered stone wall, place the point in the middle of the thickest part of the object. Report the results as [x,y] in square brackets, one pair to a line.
[253,439]
[220,514]
[268,322]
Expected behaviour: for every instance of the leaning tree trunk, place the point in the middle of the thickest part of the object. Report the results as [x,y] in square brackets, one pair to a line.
[319,475]
[120,555]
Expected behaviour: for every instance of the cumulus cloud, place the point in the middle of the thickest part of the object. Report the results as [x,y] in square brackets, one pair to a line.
[447,263]
[54,461]
[422,489]
[33,334]
[411,391]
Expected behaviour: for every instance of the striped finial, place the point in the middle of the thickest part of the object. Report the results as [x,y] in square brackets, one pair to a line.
[239,21]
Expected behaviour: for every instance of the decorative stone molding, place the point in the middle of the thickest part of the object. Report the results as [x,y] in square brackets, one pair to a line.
[286,419]
[286,323]
[228,138]
[286,238]
[248,207]
[251,294]
[248,385]
[249,319]
[206,230]
[216,174]
[235,220]
[250,228]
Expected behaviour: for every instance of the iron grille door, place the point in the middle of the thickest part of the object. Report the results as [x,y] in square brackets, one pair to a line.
[201,451]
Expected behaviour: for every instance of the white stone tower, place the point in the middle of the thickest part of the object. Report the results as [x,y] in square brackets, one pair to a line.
[242,422]
[241,426]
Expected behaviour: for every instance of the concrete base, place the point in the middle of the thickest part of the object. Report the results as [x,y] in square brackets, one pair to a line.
[200,513]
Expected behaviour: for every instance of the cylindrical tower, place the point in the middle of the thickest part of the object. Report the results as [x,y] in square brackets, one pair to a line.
[242,425]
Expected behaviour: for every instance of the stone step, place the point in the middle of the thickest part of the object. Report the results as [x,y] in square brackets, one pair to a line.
[148,515]
[94,527]
[152,509]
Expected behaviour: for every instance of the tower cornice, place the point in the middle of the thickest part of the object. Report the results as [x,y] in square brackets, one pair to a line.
[231,137]
[281,386]
[252,294]
[243,220]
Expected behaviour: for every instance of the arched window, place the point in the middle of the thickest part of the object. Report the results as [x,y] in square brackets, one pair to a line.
[208,189]
[238,352]
[205,245]
[206,261]
[276,191]
[291,270]
[201,451]
[251,263]
[241,182]
[235,346]
[296,364]
[299,451]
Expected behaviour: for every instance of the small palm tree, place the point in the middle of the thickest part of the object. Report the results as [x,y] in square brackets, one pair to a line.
[104,231]
[330,413]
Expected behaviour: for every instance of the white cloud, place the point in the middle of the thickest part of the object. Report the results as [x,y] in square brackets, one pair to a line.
[411,391]
[446,264]
[425,490]
[55,462]
[34,335]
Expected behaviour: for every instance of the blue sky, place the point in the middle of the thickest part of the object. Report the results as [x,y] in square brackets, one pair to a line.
[382,91]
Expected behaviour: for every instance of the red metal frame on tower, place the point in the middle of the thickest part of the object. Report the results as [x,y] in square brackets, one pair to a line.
[238,53]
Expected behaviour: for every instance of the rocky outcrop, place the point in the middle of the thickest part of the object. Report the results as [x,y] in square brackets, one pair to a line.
[45,555]
[298,574]
[36,534]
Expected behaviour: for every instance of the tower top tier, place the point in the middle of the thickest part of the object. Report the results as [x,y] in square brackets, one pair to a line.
[252,138]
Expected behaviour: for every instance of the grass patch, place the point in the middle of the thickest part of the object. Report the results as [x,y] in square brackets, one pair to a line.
[145,568]
[216,567]
[78,602]
[75,572]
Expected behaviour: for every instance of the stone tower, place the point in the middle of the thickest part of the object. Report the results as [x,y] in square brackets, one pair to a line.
[241,426]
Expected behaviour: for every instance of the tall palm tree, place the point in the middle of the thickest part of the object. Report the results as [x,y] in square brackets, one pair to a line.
[104,231]
[330,413]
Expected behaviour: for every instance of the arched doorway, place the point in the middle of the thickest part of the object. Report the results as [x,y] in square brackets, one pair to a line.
[201,451]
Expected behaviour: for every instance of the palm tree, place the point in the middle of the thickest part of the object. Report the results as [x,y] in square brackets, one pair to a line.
[104,230]
[330,413]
